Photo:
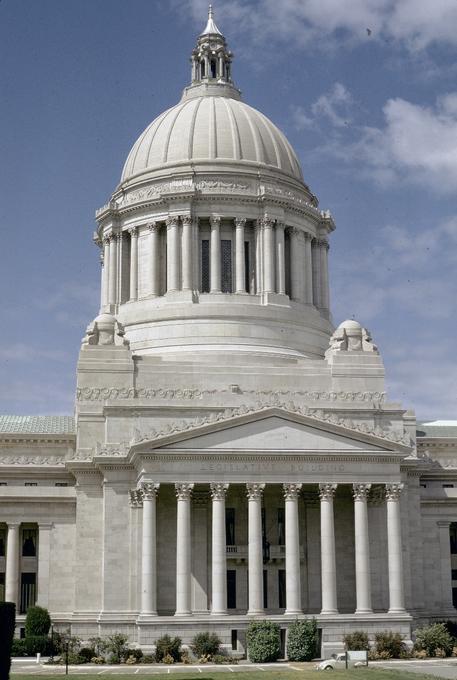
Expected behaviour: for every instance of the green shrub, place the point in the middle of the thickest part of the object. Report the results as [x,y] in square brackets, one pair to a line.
[263,641]
[221,658]
[37,621]
[356,641]
[389,643]
[99,645]
[148,658]
[116,645]
[136,653]
[7,625]
[302,640]
[433,637]
[18,648]
[87,652]
[38,644]
[168,646]
[205,644]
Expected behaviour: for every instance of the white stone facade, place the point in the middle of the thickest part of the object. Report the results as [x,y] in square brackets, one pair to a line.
[232,456]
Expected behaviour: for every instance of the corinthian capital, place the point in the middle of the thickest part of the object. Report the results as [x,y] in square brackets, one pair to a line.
[240,222]
[267,222]
[186,220]
[291,491]
[153,227]
[136,499]
[360,491]
[327,491]
[254,491]
[133,231]
[215,221]
[172,221]
[149,490]
[393,491]
[183,491]
[218,491]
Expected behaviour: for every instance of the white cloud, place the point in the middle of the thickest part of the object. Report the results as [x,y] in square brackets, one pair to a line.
[334,105]
[417,144]
[416,24]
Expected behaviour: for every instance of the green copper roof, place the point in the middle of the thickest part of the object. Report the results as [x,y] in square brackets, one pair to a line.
[37,424]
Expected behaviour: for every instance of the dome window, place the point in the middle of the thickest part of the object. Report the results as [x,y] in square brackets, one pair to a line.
[213,69]
[202,68]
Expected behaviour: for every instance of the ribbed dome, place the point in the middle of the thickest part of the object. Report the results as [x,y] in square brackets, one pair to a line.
[215,128]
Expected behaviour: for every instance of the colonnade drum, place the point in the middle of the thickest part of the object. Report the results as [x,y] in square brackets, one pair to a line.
[257,551]
[214,254]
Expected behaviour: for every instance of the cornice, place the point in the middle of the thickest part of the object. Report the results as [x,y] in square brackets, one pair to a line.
[318,418]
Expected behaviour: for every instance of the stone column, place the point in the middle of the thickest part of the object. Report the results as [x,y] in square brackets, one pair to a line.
[173,254]
[258,257]
[105,289]
[112,269]
[328,560]
[133,264]
[183,549]
[219,543]
[255,555]
[280,259]
[316,267]
[269,255]
[324,247]
[149,492]
[293,589]
[12,565]
[215,254]
[240,267]
[308,270]
[295,264]
[187,254]
[362,549]
[154,258]
[445,564]
[394,549]
[44,556]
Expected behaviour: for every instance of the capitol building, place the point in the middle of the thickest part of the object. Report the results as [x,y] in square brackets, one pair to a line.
[233,454]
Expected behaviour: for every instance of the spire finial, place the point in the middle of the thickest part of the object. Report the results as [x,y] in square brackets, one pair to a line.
[210,12]
[211,28]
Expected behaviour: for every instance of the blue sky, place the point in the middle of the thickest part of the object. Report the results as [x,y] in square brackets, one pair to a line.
[365,91]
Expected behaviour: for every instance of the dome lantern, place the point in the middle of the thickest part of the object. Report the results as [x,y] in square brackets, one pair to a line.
[211,59]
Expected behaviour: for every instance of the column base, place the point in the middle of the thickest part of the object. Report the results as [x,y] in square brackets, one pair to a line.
[256,612]
[145,617]
[293,611]
[188,613]
[363,611]
[223,612]
[397,610]
[327,612]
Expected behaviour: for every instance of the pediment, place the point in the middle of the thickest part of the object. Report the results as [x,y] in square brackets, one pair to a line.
[271,429]
[274,433]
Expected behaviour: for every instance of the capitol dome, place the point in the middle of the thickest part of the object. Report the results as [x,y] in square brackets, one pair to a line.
[212,241]
[212,128]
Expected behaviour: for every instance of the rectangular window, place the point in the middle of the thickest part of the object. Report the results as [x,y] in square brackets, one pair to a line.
[231,588]
[61,483]
[3,483]
[453,537]
[265,589]
[2,587]
[30,484]
[28,591]
[247,267]
[454,597]
[28,543]
[226,266]
[230,526]
[282,588]
[454,574]
[264,530]
[234,640]
[205,266]
[287,260]
[281,526]
[2,542]
[448,486]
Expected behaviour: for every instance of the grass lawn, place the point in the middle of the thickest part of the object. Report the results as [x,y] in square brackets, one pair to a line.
[210,673]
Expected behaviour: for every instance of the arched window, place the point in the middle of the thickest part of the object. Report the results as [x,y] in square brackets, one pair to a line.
[202,69]
[213,69]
